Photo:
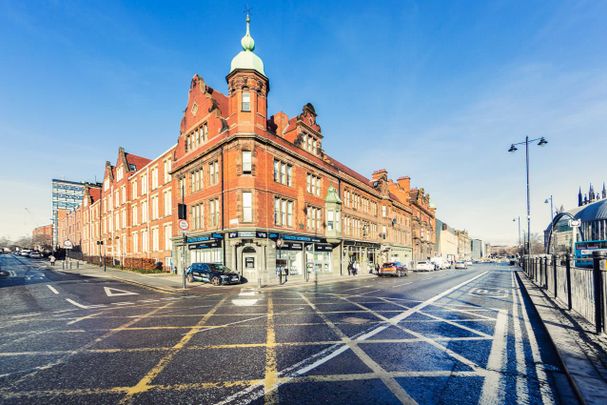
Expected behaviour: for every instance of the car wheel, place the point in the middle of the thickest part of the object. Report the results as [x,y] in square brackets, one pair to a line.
[190,278]
[216,281]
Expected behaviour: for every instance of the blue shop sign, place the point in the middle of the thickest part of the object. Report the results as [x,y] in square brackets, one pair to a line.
[205,238]
[296,238]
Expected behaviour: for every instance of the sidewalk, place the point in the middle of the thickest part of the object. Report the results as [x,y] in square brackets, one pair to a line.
[164,282]
[172,283]
[582,352]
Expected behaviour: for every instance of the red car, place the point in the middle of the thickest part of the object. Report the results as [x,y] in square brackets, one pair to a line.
[396,269]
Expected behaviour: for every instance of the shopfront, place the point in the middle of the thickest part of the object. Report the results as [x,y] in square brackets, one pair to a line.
[205,248]
[366,254]
[304,256]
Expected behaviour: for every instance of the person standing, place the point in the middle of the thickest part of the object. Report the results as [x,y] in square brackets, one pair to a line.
[355,268]
[52,259]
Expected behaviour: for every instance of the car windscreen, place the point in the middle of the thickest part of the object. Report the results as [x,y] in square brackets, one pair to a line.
[219,268]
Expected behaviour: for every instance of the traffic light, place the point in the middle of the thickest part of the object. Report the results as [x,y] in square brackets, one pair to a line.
[182,211]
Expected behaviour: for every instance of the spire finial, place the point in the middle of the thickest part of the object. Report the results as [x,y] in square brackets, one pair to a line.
[247,42]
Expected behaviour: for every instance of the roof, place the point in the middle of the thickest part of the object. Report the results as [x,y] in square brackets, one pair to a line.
[95,193]
[247,59]
[137,161]
[593,212]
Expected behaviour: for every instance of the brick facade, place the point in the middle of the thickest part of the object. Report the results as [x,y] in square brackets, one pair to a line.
[249,180]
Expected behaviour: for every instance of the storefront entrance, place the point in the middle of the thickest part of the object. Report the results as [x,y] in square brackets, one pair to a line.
[249,263]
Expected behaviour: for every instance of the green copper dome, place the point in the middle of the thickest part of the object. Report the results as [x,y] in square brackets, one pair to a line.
[246,59]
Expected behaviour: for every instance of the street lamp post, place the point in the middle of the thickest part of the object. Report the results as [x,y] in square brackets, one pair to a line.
[513,148]
[520,243]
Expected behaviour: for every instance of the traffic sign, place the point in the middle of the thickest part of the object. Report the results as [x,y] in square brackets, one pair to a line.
[183,225]
[68,244]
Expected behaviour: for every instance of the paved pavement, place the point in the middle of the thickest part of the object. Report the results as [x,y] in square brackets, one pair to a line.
[455,336]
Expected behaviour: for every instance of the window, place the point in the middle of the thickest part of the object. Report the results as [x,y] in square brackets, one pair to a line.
[117,198]
[168,244]
[120,173]
[197,216]
[247,165]
[154,178]
[205,132]
[313,184]
[155,207]
[196,179]
[134,214]
[135,236]
[214,172]
[144,184]
[134,189]
[182,187]
[188,143]
[167,203]
[144,241]
[313,218]
[283,173]
[167,170]
[283,212]
[246,100]
[214,212]
[155,239]
[123,194]
[106,184]
[384,211]
[332,220]
[144,212]
[247,206]
[123,219]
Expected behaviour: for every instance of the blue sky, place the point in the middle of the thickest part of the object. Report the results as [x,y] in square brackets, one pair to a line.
[435,90]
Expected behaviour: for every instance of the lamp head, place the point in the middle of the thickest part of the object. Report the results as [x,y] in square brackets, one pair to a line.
[512,148]
[542,141]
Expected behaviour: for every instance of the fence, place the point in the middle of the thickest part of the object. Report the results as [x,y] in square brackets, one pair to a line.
[579,289]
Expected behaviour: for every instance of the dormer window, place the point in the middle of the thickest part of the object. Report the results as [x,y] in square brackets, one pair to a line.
[246,100]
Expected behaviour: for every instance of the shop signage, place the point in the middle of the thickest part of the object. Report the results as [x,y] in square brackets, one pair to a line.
[323,247]
[205,238]
[296,238]
[205,245]
[292,246]
[248,234]
[362,244]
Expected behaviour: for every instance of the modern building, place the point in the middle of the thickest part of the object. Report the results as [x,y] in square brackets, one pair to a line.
[260,193]
[65,195]
[446,241]
[477,249]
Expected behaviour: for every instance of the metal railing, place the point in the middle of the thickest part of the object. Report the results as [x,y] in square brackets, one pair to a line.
[582,290]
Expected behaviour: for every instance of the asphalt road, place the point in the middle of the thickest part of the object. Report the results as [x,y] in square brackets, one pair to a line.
[454,336]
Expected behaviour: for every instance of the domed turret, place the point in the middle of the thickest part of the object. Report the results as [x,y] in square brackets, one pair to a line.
[247,59]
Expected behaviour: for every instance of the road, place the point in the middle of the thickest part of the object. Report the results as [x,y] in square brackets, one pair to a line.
[453,336]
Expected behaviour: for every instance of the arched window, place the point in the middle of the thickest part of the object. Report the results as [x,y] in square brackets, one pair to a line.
[246,100]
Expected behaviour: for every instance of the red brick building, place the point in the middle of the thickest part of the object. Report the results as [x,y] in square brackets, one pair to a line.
[42,236]
[260,192]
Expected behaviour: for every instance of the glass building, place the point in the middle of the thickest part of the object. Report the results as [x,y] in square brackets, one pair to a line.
[66,195]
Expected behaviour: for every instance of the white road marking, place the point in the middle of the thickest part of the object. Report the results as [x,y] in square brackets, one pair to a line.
[332,352]
[493,385]
[115,292]
[76,304]
[123,303]
[540,371]
[400,285]
[522,395]
[83,318]
[50,287]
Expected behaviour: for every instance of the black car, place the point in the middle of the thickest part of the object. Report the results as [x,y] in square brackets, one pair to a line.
[214,273]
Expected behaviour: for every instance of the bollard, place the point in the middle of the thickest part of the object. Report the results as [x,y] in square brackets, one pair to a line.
[568,280]
[597,256]
[63,265]
[556,289]
[78,265]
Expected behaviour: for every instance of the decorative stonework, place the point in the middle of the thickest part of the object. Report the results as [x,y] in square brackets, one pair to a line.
[194,109]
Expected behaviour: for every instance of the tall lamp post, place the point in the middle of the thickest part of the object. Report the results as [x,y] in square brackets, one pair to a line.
[513,148]
[520,242]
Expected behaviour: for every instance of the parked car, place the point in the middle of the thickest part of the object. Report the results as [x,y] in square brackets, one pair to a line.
[396,269]
[460,264]
[424,265]
[35,255]
[468,262]
[214,273]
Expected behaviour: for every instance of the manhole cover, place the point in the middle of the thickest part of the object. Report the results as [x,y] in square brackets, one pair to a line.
[355,321]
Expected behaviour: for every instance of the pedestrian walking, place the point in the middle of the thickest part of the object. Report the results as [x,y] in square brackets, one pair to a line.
[355,268]
[286,274]
[52,259]
[350,268]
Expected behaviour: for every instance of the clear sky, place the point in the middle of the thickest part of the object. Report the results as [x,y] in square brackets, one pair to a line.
[437,90]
